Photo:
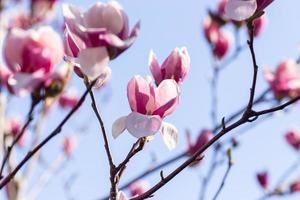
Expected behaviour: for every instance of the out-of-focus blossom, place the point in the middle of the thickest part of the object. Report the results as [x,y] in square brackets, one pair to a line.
[31,56]
[240,10]
[176,66]
[295,186]
[293,138]
[222,45]
[203,137]
[20,20]
[138,188]
[285,82]
[68,99]
[263,179]
[121,196]
[211,30]
[42,9]
[259,25]
[97,35]
[14,127]
[69,144]
[149,107]
[221,7]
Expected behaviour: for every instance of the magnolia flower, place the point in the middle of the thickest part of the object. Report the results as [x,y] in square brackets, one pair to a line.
[285,82]
[69,99]
[295,186]
[240,10]
[263,179]
[138,188]
[259,25]
[97,35]
[149,107]
[221,45]
[31,56]
[293,138]
[204,137]
[69,144]
[14,127]
[176,66]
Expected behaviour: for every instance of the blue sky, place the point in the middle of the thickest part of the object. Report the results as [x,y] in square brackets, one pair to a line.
[165,25]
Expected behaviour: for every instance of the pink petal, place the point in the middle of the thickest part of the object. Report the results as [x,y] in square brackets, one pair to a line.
[23,83]
[155,68]
[240,10]
[73,43]
[140,125]
[109,16]
[167,97]
[93,61]
[169,134]
[119,126]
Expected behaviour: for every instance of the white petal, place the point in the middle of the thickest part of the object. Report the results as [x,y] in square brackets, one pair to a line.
[140,125]
[119,126]
[169,134]
[240,9]
[93,61]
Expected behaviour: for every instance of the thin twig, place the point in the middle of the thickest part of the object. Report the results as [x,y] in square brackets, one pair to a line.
[19,135]
[55,132]
[230,163]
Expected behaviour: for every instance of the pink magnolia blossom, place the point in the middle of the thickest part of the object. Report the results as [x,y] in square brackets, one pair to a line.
[293,138]
[203,137]
[259,25]
[211,30]
[97,35]
[285,81]
[14,128]
[240,10]
[263,179]
[68,99]
[31,56]
[149,107]
[295,186]
[138,188]
[69,144]
[176,66]
[222,44]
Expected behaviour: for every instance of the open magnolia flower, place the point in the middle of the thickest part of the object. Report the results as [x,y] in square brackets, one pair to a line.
[31,56]
[176,66]
[96,36]
[240,10]
[285,81]
[149,107]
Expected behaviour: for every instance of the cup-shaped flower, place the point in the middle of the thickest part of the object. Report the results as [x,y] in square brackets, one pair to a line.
[97,35]
[222,44]
[285,82]
[31,56]
[293,138]
[263,179]
[149,107]
[240,10]
[176,66]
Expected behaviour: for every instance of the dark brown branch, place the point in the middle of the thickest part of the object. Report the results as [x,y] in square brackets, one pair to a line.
[19,135]
[55,132]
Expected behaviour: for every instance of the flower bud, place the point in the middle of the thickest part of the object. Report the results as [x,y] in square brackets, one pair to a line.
[138,188]
[293,138]
[295,186]
[263,179]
